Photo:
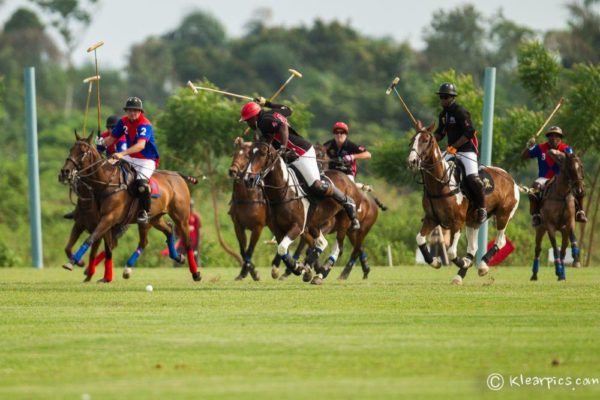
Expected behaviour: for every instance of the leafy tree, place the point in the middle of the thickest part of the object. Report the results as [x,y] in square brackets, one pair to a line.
[538,72]
[151,72]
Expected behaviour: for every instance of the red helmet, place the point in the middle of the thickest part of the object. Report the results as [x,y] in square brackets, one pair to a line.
[249,110]
[340,125]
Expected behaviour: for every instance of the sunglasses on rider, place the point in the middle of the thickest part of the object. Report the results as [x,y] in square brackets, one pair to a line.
[339,133]
[445,96]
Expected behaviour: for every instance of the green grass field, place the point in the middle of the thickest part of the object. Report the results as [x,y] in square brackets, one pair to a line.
[404,333]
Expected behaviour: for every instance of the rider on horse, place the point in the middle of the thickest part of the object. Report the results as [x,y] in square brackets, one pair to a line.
[343,153]
[455,122]
[141,151]
[295,150]
[547,169]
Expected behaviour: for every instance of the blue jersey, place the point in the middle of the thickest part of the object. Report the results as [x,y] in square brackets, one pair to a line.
[134,131]
[547,168]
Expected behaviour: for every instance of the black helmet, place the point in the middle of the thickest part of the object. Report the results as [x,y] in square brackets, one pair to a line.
[112,121]
[447,88]
[133,103]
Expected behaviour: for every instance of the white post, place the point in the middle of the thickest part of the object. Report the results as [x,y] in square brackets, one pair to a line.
[389,249]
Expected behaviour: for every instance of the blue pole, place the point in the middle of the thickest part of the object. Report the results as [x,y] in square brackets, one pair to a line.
[489,87]
[35,215]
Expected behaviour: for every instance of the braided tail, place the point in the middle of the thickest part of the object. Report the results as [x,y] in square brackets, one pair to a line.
[188,178]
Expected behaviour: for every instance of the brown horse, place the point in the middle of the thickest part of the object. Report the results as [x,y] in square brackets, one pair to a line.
[558,211]
[367,214]
[446,205]
[118,207]
[290,213]
[248,209]
[86,217]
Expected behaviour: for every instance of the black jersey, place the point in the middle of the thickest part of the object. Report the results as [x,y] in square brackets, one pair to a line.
[269,124]
[455,122]
[337,154]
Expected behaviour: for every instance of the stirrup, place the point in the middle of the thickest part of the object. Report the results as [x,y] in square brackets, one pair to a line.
[536,220]
[481,215]
[142,217]
[355,225]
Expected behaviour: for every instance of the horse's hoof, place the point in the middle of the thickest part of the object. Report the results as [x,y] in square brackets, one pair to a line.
[457,280]
[196,276]
[180,259]
[366,273]
[126,273]
[87,278]
[483,269]
[68,266]
[284,276]
[274,272]
[238,278]
[562,278]
[576,264]
[436,263]
[307,276]
[254,274]
[81,263]
[533,277]
[103,280]
[317,280]
[343,276]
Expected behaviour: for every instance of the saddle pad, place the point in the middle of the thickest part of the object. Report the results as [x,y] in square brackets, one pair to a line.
[154,188]
[297,182]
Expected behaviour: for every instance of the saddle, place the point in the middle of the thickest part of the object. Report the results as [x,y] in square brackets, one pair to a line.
[460,178]
[303,190]
[130,177]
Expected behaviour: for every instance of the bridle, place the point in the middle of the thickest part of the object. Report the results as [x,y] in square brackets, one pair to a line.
[265,170]
[426,166]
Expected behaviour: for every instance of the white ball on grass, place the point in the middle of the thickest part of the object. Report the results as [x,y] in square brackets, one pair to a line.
[149,288]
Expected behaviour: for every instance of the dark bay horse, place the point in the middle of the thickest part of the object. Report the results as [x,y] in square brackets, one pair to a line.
[289,215]
[118,207]
[558,211]
[248,208]
[446,205]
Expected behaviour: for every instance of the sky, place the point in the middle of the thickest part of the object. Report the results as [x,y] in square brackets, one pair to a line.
[122,23]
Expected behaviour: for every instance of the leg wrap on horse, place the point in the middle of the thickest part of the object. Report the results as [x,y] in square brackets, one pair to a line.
[426,255]
[491,253]
[134,257]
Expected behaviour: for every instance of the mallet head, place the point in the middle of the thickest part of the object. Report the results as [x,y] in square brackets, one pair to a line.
[91,79]
[294,72]
[95,46]
[191,85]
[392,85]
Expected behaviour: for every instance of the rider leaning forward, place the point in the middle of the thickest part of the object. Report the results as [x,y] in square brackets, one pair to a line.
[547,169]
[141,151]
[297,151]
[455,122]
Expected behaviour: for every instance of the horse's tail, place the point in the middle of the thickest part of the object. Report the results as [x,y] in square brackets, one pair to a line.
[189,178]
[379,203]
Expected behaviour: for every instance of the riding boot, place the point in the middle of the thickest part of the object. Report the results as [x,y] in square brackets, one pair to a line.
[144,197]
[580,214]
[534,210]
[348,205]
[478,196]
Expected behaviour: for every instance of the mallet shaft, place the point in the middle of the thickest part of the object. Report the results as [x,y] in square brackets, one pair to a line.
[560,103]
[239,96]
[412,118]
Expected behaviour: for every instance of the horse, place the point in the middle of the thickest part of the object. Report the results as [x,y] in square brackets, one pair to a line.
[86,217]
[445,203]
[367,214]
[248,209]
[118,207]
[558,212]
[290,212]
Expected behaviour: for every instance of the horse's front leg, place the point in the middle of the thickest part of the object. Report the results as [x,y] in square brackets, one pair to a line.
[106,223]
[76,231]
[539,235]
[556,253]
[574,249]
[563,250]
[426,228]
[283,246]
[466,262]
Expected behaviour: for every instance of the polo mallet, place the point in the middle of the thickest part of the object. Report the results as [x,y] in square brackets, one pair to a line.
[90,49]
[393,87]
[294,73]
[196,88]
[560,103]
[90,81]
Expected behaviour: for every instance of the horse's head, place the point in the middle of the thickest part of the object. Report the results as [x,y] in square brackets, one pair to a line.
[241,157]
[263,158]
[81,156]
[422,146]
[572,168]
